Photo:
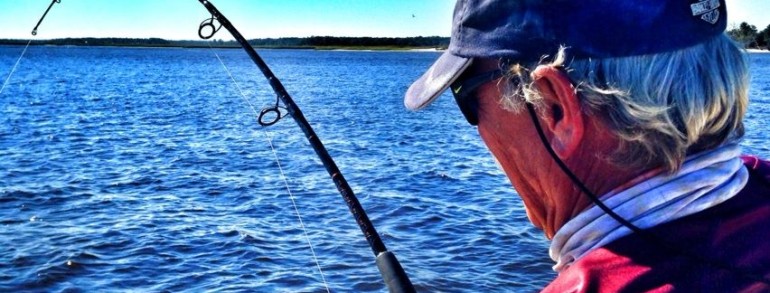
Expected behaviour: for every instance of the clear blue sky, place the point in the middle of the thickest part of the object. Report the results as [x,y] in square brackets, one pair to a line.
[179,19]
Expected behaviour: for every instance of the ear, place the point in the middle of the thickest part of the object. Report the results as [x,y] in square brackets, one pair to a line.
[562,116]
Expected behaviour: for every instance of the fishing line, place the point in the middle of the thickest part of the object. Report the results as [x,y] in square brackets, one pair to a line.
[13,69]
[390,268]
[34,33]
[392,272]
[277,161]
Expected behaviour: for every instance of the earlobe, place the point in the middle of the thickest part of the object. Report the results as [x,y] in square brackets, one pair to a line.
[564,118]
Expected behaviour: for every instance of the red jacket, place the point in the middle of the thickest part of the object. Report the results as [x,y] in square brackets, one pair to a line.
[735,233]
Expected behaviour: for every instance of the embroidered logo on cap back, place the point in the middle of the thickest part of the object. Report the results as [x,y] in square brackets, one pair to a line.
[707,9]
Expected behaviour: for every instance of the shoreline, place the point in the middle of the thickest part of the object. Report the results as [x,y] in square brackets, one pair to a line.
[431,43]
[318,48]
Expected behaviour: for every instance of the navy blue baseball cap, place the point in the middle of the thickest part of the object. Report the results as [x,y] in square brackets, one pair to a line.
[527,30]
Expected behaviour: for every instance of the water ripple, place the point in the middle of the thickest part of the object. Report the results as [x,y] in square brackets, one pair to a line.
[141,170]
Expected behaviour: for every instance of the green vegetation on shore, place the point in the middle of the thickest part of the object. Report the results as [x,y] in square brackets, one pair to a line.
[748,35]
[744,33]
[322,42]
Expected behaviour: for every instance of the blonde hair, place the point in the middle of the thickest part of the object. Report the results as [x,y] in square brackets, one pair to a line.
[661,106]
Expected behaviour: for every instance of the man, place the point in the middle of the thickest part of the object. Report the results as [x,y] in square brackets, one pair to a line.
[618,124]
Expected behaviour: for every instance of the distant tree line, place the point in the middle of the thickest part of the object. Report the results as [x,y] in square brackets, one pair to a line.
[325,41]
[744,33]
[748,35]
[320,42]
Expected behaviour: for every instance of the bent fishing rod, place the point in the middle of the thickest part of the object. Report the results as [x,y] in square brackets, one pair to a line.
[34,30]
[392,272]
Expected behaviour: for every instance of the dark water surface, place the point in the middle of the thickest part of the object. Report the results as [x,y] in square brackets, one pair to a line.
[143,169]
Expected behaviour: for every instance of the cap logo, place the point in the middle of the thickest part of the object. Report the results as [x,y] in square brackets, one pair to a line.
[707,10]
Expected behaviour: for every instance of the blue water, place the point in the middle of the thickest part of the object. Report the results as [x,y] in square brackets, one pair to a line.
[143,169]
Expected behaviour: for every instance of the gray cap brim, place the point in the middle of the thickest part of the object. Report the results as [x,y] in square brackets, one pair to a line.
[435,81]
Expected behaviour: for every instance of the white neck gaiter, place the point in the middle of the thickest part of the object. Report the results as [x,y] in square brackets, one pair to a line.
[706,179]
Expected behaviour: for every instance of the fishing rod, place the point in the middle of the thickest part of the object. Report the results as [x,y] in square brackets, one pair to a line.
[34,30]
[392,272]
[34,33]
